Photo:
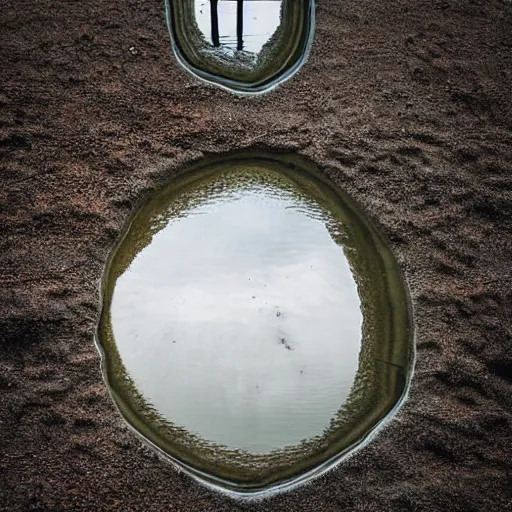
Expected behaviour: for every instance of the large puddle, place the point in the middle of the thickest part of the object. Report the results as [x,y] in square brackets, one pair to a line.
[255,327]
[243,45]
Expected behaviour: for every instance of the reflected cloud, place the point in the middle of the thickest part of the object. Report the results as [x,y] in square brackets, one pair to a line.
[214,294]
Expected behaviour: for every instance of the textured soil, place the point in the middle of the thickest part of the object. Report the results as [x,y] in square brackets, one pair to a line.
[405,104]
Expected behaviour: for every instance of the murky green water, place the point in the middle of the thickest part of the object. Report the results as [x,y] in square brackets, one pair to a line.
[243,45]
[255,326]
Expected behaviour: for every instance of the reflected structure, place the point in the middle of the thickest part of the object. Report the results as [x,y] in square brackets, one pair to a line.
[255,327]
[244,45]
[238,25]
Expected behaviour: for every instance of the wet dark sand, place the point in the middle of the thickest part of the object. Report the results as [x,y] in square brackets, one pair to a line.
[406,105]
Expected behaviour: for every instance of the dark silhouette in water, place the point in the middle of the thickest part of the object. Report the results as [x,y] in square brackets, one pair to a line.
[239,23]
[214,4]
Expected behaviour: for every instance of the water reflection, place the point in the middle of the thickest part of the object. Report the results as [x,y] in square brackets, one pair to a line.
[252,328]
[237,24]
[243,45]
[245,304]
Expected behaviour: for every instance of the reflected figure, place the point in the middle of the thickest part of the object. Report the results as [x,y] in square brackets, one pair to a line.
[243,45]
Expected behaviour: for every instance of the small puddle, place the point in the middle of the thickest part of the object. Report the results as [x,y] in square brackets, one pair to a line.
[255,327]
[247,46]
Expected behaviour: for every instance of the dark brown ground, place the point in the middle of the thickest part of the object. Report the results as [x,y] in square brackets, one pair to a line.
[406,104]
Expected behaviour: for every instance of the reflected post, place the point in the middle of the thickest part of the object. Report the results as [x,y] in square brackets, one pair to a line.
[239,24]
[214,10]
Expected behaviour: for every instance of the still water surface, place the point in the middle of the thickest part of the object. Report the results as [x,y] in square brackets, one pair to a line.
[241,321]
[247,46]
[255,327]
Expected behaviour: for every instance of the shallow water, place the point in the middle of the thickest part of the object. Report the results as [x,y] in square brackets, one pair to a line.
[246,46]
[250,325]
[245,304]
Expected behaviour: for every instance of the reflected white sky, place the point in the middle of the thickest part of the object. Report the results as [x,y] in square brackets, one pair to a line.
[261,19]
[241,321]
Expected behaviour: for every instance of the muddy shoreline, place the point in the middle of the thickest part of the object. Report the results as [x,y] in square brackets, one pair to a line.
[405,105]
